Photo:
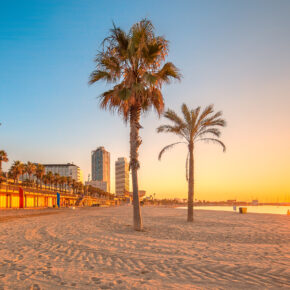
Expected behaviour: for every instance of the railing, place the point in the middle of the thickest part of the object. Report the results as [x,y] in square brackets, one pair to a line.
[27,190]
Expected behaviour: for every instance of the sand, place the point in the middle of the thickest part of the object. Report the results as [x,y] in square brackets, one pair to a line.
[96,248]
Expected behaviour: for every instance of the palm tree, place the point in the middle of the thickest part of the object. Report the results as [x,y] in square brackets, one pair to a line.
[50,178]
[3,158]
[39,173]
[29,168]
[56,178]
[80,188]
[133,63]
[74,185]
[68,182]
[194,127]
[62,182]
[16,170]
[45,180]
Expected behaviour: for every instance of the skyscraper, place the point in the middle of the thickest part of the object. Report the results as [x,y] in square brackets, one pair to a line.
[122,176]
[101,166]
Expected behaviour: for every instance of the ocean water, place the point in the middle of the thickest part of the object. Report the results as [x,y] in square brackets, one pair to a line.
[272,209]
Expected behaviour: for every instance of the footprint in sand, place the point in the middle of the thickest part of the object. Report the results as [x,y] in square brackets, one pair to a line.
[96,280]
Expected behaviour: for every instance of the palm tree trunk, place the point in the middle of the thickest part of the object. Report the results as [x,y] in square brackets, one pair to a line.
[135,142]
[190,184]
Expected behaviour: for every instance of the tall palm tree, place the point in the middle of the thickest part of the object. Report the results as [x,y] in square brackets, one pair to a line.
[195,126]
[134,62]
[39,173]
[3,158]
[29,168]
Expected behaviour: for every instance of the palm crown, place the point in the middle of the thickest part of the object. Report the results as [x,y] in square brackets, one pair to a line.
[133,60]
[193,127]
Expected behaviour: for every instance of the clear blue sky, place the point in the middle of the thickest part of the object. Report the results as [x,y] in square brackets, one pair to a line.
[234,54]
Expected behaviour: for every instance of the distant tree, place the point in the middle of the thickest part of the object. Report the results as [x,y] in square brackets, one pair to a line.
[192,128]
[45,180]
[29,168]
[56,179]
[62,182]
[39,173]
[68,182]
[50,178]
[133,62]
[3,158]
[75,186]
[16,170]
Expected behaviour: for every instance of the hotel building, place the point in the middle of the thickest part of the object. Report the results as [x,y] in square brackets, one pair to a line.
[121,176]
[101,166]
[68,169]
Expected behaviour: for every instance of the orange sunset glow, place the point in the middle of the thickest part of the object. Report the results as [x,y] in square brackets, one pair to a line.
[145,144]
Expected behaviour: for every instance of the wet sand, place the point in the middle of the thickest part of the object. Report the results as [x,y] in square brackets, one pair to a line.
[96,248]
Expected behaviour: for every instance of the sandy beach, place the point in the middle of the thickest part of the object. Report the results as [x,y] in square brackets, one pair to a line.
[96,248]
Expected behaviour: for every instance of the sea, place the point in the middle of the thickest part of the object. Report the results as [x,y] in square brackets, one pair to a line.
[271,209]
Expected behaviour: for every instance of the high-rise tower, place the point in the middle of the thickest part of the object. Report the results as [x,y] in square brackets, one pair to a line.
[122,176]
[101,166]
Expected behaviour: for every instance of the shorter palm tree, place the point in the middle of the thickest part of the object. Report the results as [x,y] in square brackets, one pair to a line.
[193,127]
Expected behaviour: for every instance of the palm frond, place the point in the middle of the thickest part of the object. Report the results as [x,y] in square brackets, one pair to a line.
[172,116]
[101,75]
[168,72]
[208,110]
[194,116]
[214,131]
[214,141]
[170,129]
[167,148]
[214,122]
[186,114]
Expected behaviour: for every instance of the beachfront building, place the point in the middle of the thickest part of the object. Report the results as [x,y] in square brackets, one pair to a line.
[101,166]
[15,196]
[121,176]
[68,169]
[103,185]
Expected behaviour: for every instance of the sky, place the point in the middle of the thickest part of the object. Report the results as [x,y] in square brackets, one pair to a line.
[233,54]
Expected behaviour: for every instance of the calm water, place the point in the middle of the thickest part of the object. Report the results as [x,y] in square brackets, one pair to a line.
[251,208]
